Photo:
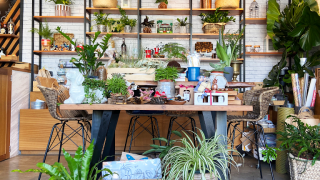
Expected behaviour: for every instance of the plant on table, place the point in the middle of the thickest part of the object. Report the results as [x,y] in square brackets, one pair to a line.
[79,167]
[88,63]
[217,17]
[209,156]
[124,20]
[163,150]
[174,50]
[95,90]
[301,141]
[117,85]
[168,73]
[44,31]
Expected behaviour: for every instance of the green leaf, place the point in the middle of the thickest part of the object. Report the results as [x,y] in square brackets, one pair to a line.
[160,139]
[85,164]
[50,170]
[273,13]
[72,164]
[177,133]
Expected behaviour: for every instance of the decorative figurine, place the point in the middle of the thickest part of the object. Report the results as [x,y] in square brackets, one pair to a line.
[76,91]
[214,84]
[201,79]
[204,85]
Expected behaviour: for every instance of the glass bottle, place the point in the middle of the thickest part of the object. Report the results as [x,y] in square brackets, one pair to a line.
[10,27]
[123,47]
[254,10]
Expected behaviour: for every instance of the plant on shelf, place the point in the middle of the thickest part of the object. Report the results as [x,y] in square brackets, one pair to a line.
[45,32]
[64,2]
[126,23]
[208,157]
[163,150]
[163,4]
[88,62]
[79,167]
[95,91]
[167,74]
[100,19]
[182,23]
[216,17]
[117,85]
[174,50]
[274,74]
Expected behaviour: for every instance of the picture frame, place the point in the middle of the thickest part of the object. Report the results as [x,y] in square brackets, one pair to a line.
[164,26]
[268,45]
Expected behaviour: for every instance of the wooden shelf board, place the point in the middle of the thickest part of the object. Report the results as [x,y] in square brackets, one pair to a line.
[204,36]
[55,52]
[127,35]
[129,11]
[8,36]
[205,59]
[232,12]
[263,53]
[76,19]
[169,11]
[159,35]
[256,21]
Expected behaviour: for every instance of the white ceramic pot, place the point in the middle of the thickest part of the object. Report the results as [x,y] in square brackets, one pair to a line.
[220,77]
[183,29]
[67,10]
[127,28]
[59,10]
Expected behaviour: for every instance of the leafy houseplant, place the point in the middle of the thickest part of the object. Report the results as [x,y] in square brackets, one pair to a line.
[182,23]
[44,31]
[117,85]
[125,21]
[210,155]
[95,90]
[163,4]
[88,62]
[79,167]
[174,50]
[216,17]
[167,74]
[163,150]
[101,20]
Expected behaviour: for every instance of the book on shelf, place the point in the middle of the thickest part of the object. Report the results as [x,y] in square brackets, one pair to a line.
[314,96]
[298,89]
[305,88]
[294,88]
[311,92]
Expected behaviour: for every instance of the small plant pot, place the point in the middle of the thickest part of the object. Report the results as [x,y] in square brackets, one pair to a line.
[59,10]
[45,44]
[165,80]
[162,5]
[127,28]
[67,10]
[101,28]
[228,76]
[147,29]
[183,29]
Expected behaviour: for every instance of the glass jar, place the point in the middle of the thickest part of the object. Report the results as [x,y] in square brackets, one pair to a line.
[10,26]
[248,48]
[257,48]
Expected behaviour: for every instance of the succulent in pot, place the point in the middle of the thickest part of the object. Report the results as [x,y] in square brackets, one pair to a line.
[46,33]
[168,74]
[182,23]
[163,4]
[126,23]
[117,85]
[100,19]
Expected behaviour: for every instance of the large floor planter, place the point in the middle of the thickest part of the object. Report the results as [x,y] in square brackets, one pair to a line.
[302,169]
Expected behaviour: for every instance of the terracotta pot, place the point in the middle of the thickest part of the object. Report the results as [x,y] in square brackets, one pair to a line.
[147,29]
[165,80]
[162,5]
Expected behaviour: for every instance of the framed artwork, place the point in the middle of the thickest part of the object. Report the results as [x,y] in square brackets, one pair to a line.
[164,26]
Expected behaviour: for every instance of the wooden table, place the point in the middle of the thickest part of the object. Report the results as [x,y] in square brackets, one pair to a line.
[213,119]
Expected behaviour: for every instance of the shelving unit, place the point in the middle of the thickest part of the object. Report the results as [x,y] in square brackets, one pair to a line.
[75,19]
[256,21]
[263,53]
[114,34]
[129,11]
[172,35]
[8,36]
[55,52]
[169,11]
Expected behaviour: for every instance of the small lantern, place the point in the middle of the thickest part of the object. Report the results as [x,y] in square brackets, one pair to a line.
[125,3]
[268,45]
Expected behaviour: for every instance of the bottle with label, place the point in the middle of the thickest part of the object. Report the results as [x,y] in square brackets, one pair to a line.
[123,47]
[10,26]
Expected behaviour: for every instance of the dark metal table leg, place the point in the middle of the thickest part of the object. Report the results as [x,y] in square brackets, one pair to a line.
[109,146]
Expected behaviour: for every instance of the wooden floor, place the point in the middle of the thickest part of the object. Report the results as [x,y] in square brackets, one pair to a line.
[247,171]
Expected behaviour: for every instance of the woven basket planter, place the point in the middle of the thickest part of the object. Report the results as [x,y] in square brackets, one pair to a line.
[213,28]
[105,3]
[302,169]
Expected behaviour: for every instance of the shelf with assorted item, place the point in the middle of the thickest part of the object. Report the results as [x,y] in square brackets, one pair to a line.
[74,19]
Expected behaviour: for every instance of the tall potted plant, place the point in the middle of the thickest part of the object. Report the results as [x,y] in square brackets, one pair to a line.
[182,23]
[163,4]
[46,33]
[166,77]
[127,23]
[88,62]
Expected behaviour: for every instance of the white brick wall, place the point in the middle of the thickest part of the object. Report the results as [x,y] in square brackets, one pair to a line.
[257,67]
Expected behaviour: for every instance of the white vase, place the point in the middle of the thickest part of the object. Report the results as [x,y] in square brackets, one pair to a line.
[67,10]
[183,29]
[59,10]
[127,28]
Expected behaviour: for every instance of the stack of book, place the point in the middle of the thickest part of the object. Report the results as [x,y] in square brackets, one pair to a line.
[303,96]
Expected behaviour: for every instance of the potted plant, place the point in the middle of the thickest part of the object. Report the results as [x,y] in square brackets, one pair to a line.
[147,25]
[62,7]
[163,4]
[46,33]
[79,167]
[182,23]
[88,62]
[100,19]
[166,77]
[118,88]
[67,8]
[95,91]
[214,22]
[205,160]
[302,143]
[127,23]
[174,50]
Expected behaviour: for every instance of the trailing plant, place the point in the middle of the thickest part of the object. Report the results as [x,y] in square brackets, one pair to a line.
[125,20]
[302,140]
[88,62]
[100,18]
[168,73]
[209,156]
[159,1]
[174,50]
[44,31]
[182,22]
[163,150]
[269,154]
[90,85]
[117,85]
[217,17]
[79,167]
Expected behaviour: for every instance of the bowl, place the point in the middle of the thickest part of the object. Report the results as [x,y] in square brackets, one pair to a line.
[172,102]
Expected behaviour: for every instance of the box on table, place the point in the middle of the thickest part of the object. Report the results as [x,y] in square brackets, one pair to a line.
[198,100]
[133,74]
[187,93]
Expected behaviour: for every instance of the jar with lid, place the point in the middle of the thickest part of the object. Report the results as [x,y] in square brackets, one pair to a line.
[248,48]
[256,48]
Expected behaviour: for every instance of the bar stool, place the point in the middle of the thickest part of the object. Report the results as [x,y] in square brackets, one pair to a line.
[81,117]
[260,100]
[182,127]
[155,132]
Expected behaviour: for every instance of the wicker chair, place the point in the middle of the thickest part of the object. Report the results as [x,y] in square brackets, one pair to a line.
[182,127]
[51,96]
[260,100]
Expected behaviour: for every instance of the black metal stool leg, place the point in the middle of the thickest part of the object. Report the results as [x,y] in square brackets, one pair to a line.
[48,147]
[170,129]
[193,130]
[83,138]
[158,130]
[152,130]
[61,140]
[257,145]
[132,132]
[125,145]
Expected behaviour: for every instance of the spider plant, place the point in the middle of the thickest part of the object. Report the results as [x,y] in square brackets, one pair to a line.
[44,31]
[209,156]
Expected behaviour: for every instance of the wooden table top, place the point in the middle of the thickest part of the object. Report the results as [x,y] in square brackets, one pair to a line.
[153,107]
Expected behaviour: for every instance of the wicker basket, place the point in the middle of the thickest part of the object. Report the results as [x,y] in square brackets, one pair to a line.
[212,28]
[105,3]
[303,169]
[227,4]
